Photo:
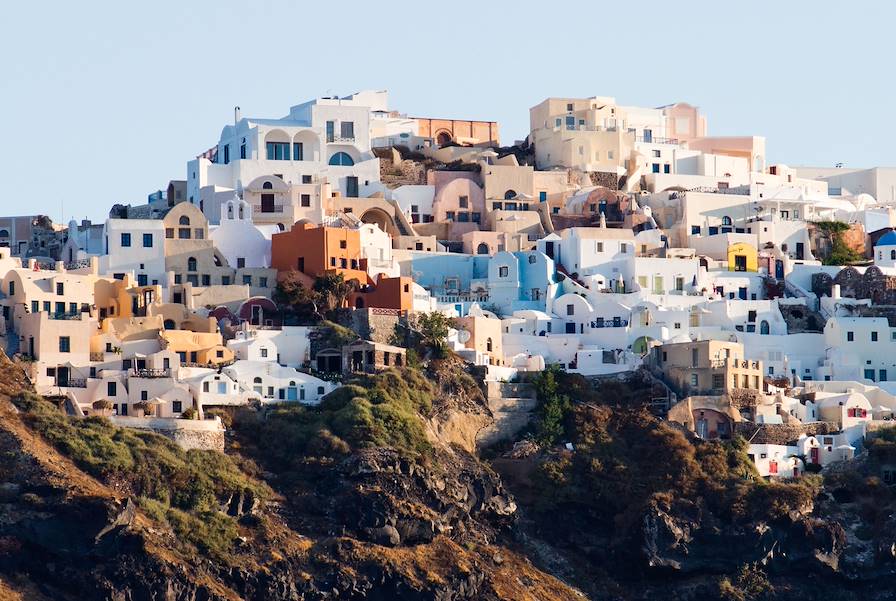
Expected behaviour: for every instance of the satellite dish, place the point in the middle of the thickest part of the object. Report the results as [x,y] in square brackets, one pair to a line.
[463,336]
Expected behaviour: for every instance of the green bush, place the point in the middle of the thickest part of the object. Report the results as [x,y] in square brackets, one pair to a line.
[383,410]
[190,485]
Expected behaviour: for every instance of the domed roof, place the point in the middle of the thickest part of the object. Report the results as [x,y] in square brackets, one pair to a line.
[888,239]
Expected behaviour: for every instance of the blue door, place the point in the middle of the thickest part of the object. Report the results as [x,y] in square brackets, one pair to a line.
[779,269]
[292,394]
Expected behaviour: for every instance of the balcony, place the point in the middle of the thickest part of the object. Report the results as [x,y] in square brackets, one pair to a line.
[333,139]
[268,208]
[65,316]
[97,357]
[151,373]
[656,140]
[613,322]
[73,383]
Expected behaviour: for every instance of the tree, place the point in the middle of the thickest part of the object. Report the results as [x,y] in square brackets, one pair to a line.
[433,331]
[553,407]
[327,294]
[334,290]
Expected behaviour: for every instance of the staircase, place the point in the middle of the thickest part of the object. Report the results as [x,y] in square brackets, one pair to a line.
[511,406]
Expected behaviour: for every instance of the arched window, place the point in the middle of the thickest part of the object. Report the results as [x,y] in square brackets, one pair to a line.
[726,220]
[257,380]
[267,186]
[170,325]
[510,195]
[191,264]
[281,227]
[184,220]
[488,345]
[342,158]
[242,214]
[229,211]
[482,249]
[763,327]
[532,259]
[292,383]
[893,255]
[4,233]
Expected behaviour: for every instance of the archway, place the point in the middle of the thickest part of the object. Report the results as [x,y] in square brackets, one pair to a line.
[482,249]
[443,138]
[510,195]
[381,219]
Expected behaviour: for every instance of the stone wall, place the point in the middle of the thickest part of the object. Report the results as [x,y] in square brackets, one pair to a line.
[782,434]
[196,439]
[375,325]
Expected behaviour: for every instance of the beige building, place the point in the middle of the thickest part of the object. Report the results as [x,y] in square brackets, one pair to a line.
[193,258]
[709,367]
[484,336]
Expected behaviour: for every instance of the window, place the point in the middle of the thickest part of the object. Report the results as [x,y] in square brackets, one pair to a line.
[623,248]
[657,153]
[873,336]
[240,262]
[695,230]
[570,309]
[718,380]
[111,389]
[341,159]
[243,149]
[125,239]
[298,152]
[449,215]
[65,344]
[226,154]
[199,233]
[147,240]
[35,306]
[306,179]
[351,186]
[264,353]
[60,289]
[247,280]
[347,129]
[206,279]
[183,233]
[542,196]
[850,336]
[503,271]
[655,168]
[463,201]
[306,200]
[667,168]
[263,282]
[169,232]
[277,151]
[694,380]
[191,264]
[600,247]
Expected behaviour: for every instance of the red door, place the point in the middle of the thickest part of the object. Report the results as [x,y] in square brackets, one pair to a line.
[813,454]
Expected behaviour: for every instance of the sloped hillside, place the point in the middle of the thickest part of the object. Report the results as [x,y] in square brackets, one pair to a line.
[357,505]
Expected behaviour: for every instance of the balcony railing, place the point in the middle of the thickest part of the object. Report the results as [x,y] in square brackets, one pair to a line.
[340,139]
[268,208]
[73,383]
[656,140]
[97,357]
[151,373]
[75,315]
[610,323]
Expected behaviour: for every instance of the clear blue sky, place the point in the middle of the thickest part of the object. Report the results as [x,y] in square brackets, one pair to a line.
[104,101]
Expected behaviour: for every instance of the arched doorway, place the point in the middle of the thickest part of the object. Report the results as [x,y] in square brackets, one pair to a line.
[381,219]
[482,249]
[443,138]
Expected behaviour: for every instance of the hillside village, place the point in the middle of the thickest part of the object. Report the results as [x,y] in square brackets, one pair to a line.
[301,250]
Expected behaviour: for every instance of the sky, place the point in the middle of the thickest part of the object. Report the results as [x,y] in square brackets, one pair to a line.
[104,102]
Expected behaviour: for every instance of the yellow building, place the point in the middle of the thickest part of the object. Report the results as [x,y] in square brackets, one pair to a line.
[197,348]
[743,257]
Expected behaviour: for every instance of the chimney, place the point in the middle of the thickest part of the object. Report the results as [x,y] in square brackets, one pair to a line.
[236,115]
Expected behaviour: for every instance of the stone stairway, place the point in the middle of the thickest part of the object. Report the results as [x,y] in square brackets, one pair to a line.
[511,406]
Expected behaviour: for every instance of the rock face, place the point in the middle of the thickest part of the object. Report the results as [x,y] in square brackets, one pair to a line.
[372,526]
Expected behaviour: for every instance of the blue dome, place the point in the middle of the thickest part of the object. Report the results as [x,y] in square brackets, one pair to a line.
[888,239]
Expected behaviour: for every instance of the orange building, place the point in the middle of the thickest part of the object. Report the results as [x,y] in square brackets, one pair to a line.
[461,131]
[388,293]
[318,250]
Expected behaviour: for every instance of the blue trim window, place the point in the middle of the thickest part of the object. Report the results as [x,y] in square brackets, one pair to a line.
[542,196]
[298,152]
[341,159]
[125,240]
[147,240]
[277,151]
